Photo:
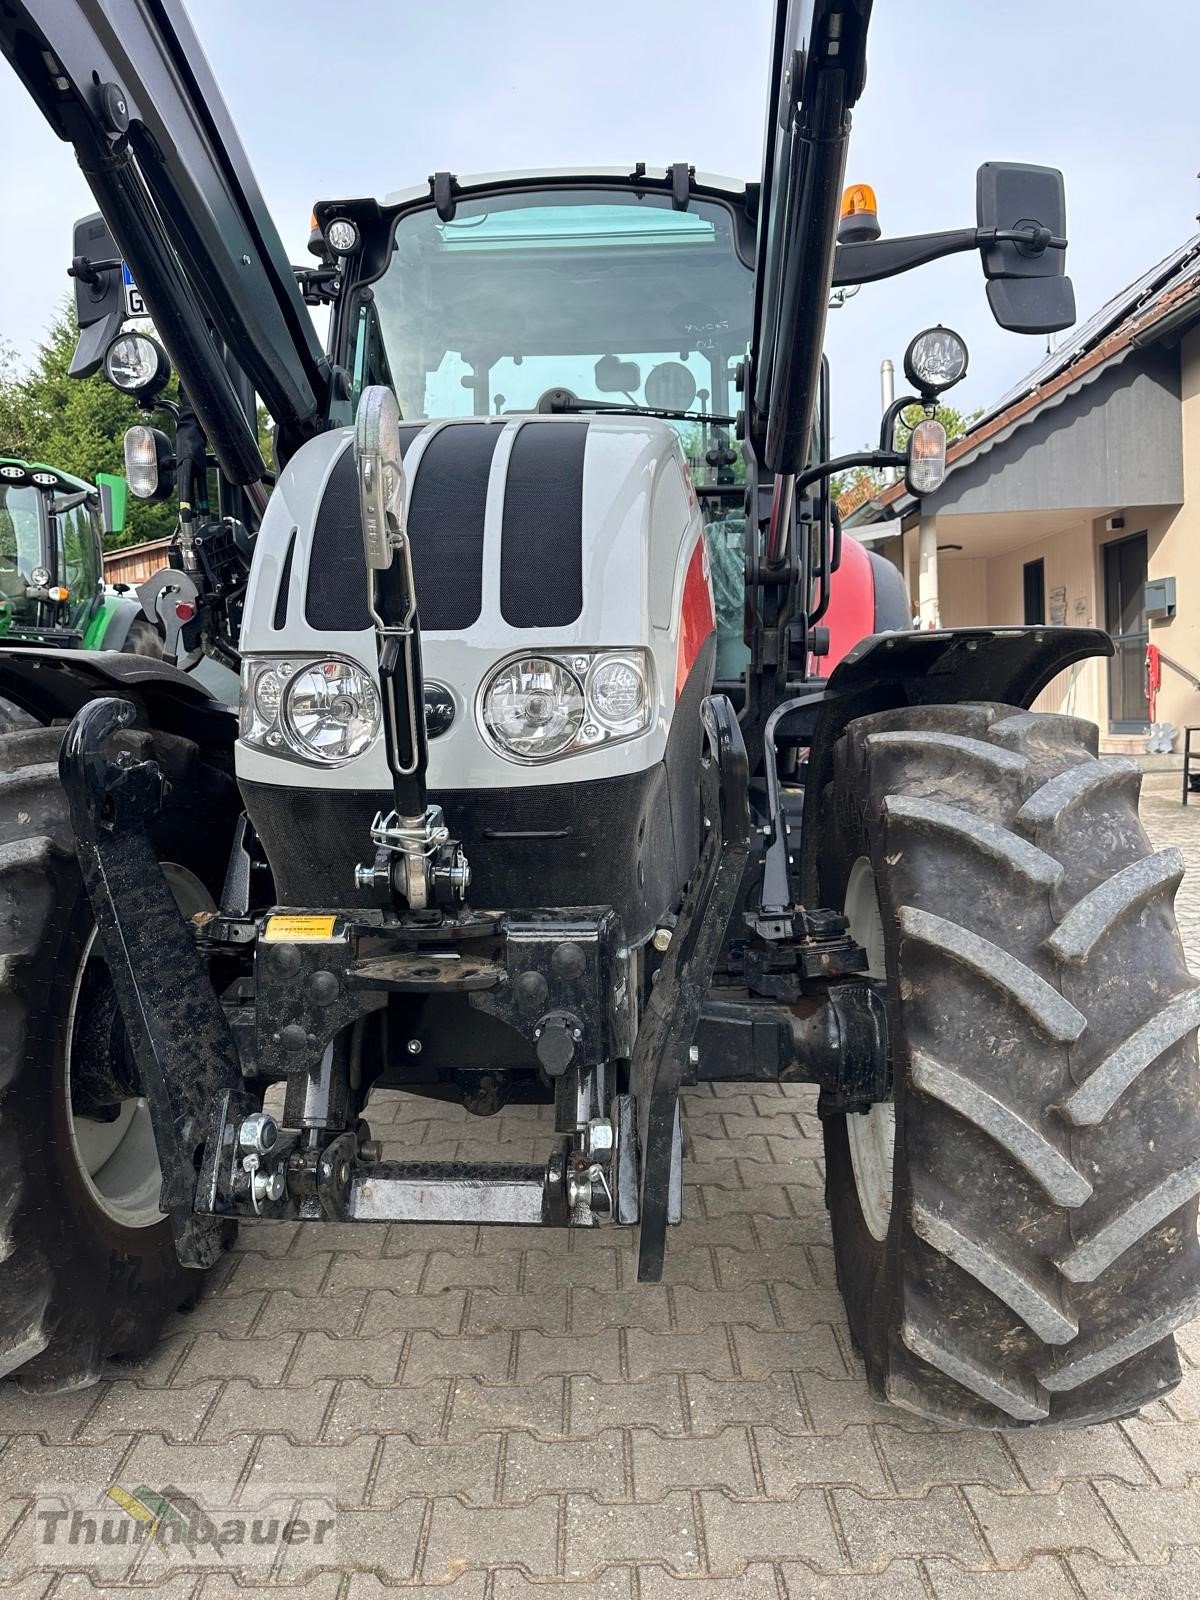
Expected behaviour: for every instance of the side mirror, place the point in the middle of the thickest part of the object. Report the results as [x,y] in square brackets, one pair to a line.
[114,497]
[380,470]
[1028,290]
[99,293]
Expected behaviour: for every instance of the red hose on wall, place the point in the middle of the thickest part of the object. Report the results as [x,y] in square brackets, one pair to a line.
[1153,678]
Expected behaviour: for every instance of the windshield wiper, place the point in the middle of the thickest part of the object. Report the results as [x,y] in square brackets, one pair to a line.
[563,401]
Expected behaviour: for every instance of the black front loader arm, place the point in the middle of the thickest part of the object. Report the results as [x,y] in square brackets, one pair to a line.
[817,75]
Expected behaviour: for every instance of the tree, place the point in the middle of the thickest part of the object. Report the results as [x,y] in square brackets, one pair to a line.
[955,423]
[73,424]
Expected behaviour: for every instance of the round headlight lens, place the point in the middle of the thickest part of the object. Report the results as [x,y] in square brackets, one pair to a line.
[617,692]
[330,711]
[534,707]
[342,236]
[935,359]
[134,362]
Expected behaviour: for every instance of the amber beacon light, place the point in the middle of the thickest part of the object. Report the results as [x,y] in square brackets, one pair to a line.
[859,222]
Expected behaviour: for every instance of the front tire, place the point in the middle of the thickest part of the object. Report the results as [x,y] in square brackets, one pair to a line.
[88,1268]
[1032,1248]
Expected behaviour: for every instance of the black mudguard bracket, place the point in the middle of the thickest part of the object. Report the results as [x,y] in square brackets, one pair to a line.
[181,1041]
[661,1054]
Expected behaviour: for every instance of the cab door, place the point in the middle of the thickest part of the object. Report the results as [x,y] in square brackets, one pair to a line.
[77,550]
[1125,565]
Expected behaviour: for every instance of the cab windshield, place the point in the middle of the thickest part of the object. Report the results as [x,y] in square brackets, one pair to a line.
[613,296]
[21,513]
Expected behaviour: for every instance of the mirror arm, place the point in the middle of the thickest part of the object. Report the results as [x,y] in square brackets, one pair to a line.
[886,258]
[860,458]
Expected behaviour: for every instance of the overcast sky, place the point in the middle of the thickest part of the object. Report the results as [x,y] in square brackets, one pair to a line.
[367,96]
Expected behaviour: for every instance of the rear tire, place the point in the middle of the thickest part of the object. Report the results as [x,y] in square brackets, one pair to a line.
[88,1268]
[1037,1248]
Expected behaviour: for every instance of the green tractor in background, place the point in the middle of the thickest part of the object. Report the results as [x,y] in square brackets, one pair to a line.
[52,590]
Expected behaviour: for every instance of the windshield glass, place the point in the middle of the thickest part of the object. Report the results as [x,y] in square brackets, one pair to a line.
[78,545]
[610,295]
[20,543]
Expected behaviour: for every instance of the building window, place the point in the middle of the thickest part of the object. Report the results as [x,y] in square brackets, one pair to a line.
[1035,593]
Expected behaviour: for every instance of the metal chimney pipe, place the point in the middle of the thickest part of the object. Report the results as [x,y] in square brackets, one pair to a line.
[887,393]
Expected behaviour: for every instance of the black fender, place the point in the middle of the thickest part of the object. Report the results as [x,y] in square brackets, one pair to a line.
[52,685]
[955,664]
[893,608]
[944,667]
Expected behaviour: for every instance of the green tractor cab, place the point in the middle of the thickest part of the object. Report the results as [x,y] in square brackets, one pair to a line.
[52,590]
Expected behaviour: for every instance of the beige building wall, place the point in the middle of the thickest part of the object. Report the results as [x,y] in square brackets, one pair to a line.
[1174,552]
[963,586]
[992,590]
[989,589]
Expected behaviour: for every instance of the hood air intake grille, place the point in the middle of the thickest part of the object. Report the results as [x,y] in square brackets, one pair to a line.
[541,559]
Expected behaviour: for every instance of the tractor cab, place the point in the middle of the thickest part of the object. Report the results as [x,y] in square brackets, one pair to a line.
[590,293]
[51,541]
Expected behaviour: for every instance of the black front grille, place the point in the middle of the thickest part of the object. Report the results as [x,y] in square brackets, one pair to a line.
[336,596]
[541,560]
[607,842]
[445,525]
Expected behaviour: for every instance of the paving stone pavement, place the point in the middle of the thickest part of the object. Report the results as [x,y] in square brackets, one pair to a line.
[498,1410]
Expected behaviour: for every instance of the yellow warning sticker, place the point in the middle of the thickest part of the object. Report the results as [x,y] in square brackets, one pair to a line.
[292,928]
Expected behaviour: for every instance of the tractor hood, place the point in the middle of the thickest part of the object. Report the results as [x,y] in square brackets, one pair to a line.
[531,536]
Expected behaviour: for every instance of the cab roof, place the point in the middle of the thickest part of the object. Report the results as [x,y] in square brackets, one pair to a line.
[733,188]
[62,480]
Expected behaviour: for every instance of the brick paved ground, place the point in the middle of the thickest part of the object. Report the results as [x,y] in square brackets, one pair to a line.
[505,1409]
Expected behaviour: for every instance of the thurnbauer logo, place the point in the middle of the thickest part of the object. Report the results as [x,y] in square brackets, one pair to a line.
[167,1518]
[129,1522]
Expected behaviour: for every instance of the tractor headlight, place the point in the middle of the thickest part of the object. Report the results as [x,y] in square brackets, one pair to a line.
[330,711]
[935,360]
[617,693]
[136,364]
[533,708]
[325,712]
[541,707]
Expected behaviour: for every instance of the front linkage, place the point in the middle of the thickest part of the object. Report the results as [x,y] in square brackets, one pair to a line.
[561,978]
